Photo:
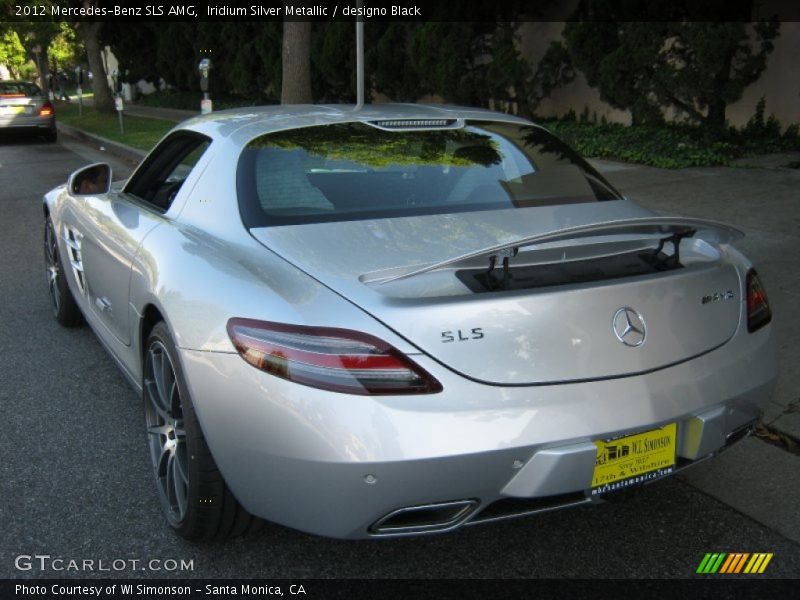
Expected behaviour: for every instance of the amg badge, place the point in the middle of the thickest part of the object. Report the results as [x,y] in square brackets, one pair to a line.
[717,296]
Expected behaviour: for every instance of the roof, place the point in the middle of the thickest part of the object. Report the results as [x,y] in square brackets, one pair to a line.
[243,124]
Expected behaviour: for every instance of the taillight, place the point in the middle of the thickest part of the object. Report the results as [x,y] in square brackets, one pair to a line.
[758,311]
[46,110]
[333,359]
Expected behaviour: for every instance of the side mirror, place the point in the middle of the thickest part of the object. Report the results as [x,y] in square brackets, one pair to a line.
[91,180]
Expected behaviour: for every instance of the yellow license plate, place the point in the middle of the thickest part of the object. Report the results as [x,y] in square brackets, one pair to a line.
[13,110]
[634,459]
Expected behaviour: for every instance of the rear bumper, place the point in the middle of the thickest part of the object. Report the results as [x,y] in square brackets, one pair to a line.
[335,464]
[26,122]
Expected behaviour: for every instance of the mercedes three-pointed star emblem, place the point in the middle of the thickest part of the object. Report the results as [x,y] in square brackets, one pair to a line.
[629,327]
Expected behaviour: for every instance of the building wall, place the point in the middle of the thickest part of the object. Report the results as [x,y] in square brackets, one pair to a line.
[779,84]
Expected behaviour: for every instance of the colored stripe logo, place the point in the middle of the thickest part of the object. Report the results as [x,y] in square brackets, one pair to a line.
[734,563]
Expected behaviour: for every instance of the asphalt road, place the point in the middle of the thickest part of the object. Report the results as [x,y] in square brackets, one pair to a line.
[76,483]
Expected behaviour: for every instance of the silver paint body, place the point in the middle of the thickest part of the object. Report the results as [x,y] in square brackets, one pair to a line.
[23,113]
[548,377]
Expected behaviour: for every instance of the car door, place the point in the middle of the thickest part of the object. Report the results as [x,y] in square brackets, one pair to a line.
[112,227]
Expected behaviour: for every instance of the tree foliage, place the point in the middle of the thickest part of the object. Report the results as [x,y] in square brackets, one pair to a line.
[12,53]
[706,66]
[245,57]
[471,63]
[66,49]
[645,58]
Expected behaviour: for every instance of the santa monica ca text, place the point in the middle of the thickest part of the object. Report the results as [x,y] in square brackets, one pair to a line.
[141,589]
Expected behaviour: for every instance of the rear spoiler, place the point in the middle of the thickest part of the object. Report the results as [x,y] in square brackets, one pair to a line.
[713,231]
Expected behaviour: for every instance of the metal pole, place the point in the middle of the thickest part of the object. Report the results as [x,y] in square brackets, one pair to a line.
[79,76]
[359,59]
[121,126]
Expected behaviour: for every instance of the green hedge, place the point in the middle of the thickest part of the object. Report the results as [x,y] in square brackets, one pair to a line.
[673,146]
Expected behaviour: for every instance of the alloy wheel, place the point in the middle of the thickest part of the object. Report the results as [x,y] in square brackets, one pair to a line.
[52,266]
[166,432]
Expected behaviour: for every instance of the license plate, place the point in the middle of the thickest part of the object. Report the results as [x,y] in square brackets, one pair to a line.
[13,110]
[634,459]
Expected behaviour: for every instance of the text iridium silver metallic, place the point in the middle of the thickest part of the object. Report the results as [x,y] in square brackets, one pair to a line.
[296,329]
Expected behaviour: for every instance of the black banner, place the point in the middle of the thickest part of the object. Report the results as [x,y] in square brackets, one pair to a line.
[401,10]
[166,589]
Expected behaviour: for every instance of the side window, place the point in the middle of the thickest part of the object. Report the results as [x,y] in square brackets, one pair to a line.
[161,176]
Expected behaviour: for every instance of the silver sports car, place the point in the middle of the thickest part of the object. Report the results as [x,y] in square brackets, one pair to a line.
[402,320]
[25,108]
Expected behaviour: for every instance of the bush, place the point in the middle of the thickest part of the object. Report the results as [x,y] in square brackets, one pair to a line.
[673,146]
[188,100]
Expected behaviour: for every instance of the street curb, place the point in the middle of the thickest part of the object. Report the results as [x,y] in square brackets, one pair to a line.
[122,151]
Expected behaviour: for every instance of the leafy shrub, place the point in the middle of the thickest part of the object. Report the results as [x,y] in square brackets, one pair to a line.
[674,146]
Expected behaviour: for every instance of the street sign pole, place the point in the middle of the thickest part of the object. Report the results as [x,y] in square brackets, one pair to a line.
[205,104]
[79,72]
[120,107]
[359,58]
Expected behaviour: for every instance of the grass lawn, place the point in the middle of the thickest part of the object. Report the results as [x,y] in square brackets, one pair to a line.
[139,133]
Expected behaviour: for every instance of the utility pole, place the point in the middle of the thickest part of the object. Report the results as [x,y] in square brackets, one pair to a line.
[359,57]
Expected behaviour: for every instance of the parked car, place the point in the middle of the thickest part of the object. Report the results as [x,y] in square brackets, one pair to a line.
[24,107]
[403,319]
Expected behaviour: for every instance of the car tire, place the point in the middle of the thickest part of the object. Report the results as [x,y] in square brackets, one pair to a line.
[65,309]
[51,136]
[194,497]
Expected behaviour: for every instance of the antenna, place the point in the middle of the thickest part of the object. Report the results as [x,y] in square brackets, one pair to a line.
[359,56]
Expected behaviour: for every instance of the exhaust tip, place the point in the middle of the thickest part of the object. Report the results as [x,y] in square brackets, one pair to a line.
[426,518]
[741,433]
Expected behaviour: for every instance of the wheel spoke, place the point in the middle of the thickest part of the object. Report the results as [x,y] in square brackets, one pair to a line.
[180,483]
[180,462]
[157,356]
[174,398]
[172,498]
[162,464]
[49,245]
[159,429]
[55,295]
[154,400]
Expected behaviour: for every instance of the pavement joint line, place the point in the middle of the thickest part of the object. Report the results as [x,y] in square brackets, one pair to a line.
[785,441]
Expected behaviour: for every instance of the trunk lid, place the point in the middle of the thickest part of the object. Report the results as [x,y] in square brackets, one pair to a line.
[587,298]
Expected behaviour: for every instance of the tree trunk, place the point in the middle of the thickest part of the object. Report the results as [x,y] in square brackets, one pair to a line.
[716,104]
[44,71]
[296,78]
[716,114]
[103,101]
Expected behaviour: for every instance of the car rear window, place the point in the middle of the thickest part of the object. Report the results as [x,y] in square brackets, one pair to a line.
[352,171]
[18,88]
